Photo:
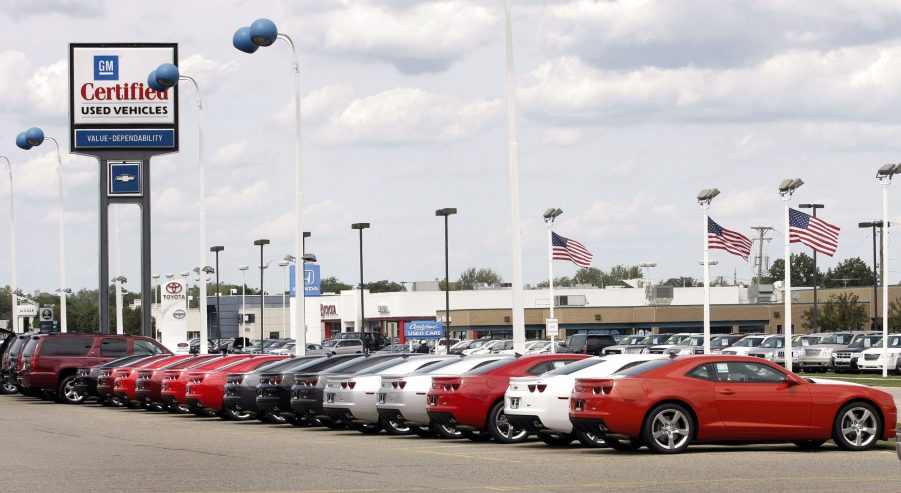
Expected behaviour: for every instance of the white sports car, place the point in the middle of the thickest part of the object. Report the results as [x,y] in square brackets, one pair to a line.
[540,404]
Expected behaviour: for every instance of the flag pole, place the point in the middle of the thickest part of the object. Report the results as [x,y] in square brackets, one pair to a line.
[787,292]
[706,207]
[550,277]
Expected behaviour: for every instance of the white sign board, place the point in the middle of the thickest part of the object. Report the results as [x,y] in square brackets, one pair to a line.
[173,322]
[27,310]
[552,328]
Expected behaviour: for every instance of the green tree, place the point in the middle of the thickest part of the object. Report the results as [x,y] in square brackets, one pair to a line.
[850,272]
[802,270]
[894,316]
[618,273]
[840,312]
[472,276]
[683,281]
[333,285]
[385,286]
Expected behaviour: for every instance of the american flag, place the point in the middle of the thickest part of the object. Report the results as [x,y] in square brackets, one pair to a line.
[813,232]
[572,250]
[724,239]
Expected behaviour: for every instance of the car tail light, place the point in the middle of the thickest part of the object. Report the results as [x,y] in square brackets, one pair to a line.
[402,384]
[105,373]
[145,375]
[348,385]
[83,372]
[236,379]
[541,387]
[531,387]
[122,373]
[446,383]
[34,362]
[308,382]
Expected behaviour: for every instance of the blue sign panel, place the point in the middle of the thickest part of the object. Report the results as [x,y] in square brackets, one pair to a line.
[311,280]
[106,67]
[125,178]
[424,329]
[125,139]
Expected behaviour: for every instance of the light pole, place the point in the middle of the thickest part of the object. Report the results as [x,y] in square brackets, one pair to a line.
[884,175]
[33,137]
[12,249]
[155,298]
[119,280]
[704,198]
[261,244]
[549,216]
[184,275]
[814,207]
[786,190]
[446,212]
[216,249]
[263,32]
[284,265]
[164,77]
[243,270]
[361,227]
[874,225]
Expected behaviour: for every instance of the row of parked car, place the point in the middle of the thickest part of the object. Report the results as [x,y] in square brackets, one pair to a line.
[622,401]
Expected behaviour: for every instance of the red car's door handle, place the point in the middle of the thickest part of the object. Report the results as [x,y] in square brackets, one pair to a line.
[727,392]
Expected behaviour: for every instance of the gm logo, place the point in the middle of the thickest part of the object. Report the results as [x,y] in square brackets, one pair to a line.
[106,67]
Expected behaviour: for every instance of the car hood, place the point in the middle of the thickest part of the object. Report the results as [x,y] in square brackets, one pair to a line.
[828,381]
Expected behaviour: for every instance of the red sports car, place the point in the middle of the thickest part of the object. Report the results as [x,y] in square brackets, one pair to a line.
[172,394]
[149,384]
[670,403]
[127,376]
[206,389]
[474,402]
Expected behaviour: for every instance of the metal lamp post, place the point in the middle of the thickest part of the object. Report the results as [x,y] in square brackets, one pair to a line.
[814,207]
[361,227]
[243,270]
[119,280]
[33,137]
[704,198]
[12,248]
[874,225]
[284,265]
[786,190]
[261,244]
[216,249]
[263,32]
[446,212]
[162,79]
[549,216]
[885,174]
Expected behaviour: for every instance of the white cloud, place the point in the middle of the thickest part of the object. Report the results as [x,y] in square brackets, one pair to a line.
[231,153]
[210,74]
[14,68]
[425,37]
[562,136]
[406,116]
[624,219]
[38,177]
[48,88]
[318,105]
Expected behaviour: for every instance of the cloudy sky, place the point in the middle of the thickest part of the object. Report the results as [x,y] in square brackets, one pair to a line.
[625,111]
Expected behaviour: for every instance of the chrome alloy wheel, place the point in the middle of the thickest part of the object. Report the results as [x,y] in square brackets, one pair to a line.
[859,426]
[670,429]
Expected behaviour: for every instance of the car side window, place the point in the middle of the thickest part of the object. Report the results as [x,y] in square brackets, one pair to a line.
[702,373]
[146,347]
[354,343]
[746,372]
[538,369]
[113,347]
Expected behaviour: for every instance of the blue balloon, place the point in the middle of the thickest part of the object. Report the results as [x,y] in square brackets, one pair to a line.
[34,136]
[167,75]
[22,142]
[241,40]
[263,32]
[154,84]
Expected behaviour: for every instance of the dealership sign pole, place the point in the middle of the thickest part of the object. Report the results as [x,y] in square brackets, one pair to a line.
[116,117]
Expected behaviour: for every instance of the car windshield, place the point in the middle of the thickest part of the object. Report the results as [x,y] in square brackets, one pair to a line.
[673,339]
[748,342]
[840,339]
[574,367]
[804,341]
[637,370]
[719,342]
[696,341]
[632,340]
[462,345]
[773,342]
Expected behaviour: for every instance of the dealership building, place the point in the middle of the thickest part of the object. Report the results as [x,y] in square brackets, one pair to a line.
[487,312]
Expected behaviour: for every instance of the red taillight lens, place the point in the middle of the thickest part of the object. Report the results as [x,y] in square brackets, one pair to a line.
[343,385]
[531,387]
[394,385]
[579,388]
[351,384]
[541,387]
[311,382]
[34,362]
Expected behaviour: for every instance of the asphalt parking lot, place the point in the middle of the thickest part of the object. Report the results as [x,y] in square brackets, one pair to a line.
[51,447]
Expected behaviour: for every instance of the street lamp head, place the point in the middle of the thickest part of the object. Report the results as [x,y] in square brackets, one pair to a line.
[22,141]
[155,276]
[647,264]
[447,211]
[307,234]
[241,40]
[887,170]
[308,257]
[260,242]
[359,225]
[263,32]
[209,270]
[266,265]
[789,185]
[811,206]
[552,213]
[122,279]
[290,258]
[217,248]
[169,275]
[164,77]
[706,195]
[34,136]
[283,263]
[243,267]
[186,273]
[872,224]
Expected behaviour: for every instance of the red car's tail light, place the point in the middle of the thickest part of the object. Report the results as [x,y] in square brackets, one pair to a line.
[34,362]
[446,383]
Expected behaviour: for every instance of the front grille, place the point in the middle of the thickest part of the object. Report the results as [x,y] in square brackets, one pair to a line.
[871,357]
[843,355]
[811,352]
[757,355]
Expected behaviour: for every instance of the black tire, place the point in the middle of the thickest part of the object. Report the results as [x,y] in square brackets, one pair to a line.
[395,428]
[367,428]
[66,392]
[334,424]
[204,413]
[857,427]
[558,440]
[623,445]
[445,431]
[8,388]
[476,436]
[590,440]
[423,432]
[668,429]
[234,415]
[809,444]
[501,429]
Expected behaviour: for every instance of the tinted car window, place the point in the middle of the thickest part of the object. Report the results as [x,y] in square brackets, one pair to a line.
[67,346]
[357,364]
[702,372]
[29,347]
[113,347]
[576,366]
[548,366]
[146,347]
[644,367]
[487,368]
[745,372]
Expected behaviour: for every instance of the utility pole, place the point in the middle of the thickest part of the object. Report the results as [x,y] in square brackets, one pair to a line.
[761,231]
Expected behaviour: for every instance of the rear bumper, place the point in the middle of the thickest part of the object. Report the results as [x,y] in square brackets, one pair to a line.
[240,398]
[593,426]
[273,398]
[86,386]
[443,418]
[530,423]
[307,401]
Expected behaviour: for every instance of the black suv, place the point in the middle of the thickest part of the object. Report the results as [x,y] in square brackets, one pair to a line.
[588,343]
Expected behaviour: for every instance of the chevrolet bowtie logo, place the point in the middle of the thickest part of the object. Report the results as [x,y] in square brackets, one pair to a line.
[125,178]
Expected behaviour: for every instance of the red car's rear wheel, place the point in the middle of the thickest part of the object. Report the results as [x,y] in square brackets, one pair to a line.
[668,429]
